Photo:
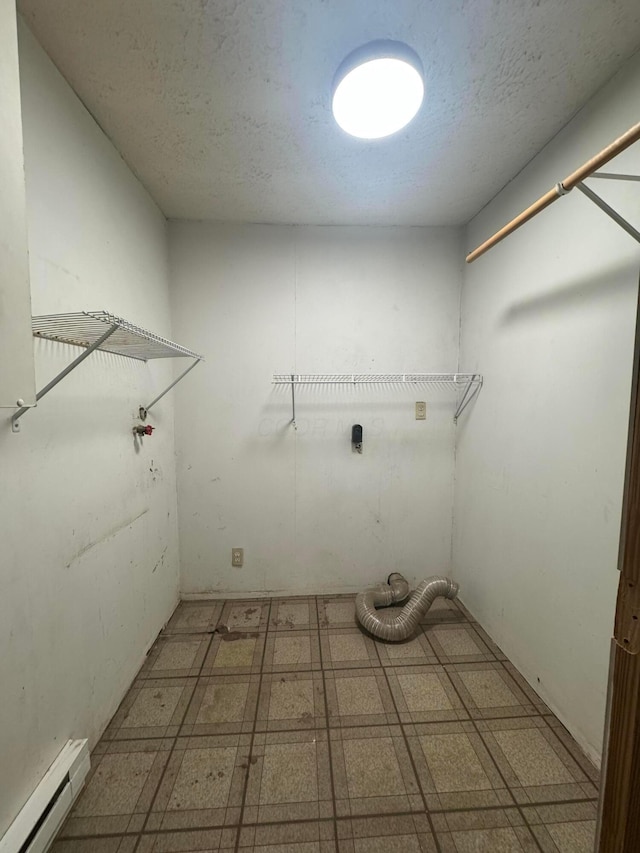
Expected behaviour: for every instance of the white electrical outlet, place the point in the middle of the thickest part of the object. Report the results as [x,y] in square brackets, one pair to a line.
[421,411]
[237,557]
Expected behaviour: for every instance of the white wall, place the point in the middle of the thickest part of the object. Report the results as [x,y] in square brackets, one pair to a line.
[89,566]
[17,382]
[548,317]
[311,515]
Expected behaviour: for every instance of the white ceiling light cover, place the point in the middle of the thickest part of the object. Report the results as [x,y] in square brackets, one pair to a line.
[378,89]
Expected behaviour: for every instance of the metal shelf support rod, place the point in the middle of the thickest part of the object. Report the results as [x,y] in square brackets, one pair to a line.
[175,382]
[602,204]
[15,420]
[476,381]
[293,401]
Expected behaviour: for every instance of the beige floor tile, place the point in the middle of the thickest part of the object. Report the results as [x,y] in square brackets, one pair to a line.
[585,763]
[372,772]
[372,768]
[200,840]
[346,649]
[235,654]
[117,785]
[457,643]
[289,777]
[204,779]
[152,708]
[114,844]
[339,612]
[387,834]
[454,767]
[293,614]
[533,762]
[222,704]
[308,837]
[563,828]
[502,840]
[292,651]
[453,763]
[292,700]
[359,697]
[119,789]
[525,687]
[416,650]
[240,653]
[532,758]
[424,694]
[194,617]
[492,831]
[289,774]
[493,647]
[176,656]
[246,615]
[443,610]
[488,691]
[469,617]
[575,837]
[202,785]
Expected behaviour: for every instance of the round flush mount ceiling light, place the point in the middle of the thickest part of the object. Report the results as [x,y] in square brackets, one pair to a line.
[378,89]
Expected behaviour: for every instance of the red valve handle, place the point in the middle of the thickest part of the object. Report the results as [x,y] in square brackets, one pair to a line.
[148,430]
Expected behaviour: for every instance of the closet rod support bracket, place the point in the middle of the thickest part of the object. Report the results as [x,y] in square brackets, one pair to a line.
[15,420]
[613,176]
[606,208]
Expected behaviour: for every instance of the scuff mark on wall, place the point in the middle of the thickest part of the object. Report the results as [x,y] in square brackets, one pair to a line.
[113,532]
[161,560]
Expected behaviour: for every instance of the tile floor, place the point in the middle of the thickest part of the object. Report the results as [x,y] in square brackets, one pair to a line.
[288,730]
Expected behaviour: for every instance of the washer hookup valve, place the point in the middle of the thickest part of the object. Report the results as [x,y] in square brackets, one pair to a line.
[141,429]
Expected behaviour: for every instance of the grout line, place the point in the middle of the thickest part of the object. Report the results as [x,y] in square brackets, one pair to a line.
[474,722]
[253,731]
[175,739]
[436,840]
[302,821]
[318,599]
[340,725]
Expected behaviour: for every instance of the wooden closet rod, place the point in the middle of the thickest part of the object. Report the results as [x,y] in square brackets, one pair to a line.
[588,168]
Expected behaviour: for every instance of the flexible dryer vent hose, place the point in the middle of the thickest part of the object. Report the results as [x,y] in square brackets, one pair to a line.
[401,625]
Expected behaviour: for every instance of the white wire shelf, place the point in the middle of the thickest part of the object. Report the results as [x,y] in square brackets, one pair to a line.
[456,379]
[100,330]
[465,385]
[84,328]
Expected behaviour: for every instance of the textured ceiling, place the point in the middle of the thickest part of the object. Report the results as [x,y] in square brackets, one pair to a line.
[223,109]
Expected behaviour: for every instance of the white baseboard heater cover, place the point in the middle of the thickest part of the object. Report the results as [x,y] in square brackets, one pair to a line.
[40,818]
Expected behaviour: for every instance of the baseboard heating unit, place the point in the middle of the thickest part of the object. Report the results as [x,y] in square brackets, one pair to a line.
[41,817]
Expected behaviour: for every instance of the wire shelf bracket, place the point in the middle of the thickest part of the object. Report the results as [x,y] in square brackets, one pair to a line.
[466,385]
[100,330]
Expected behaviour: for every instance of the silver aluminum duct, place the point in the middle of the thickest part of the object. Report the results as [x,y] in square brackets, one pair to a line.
[400,625]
